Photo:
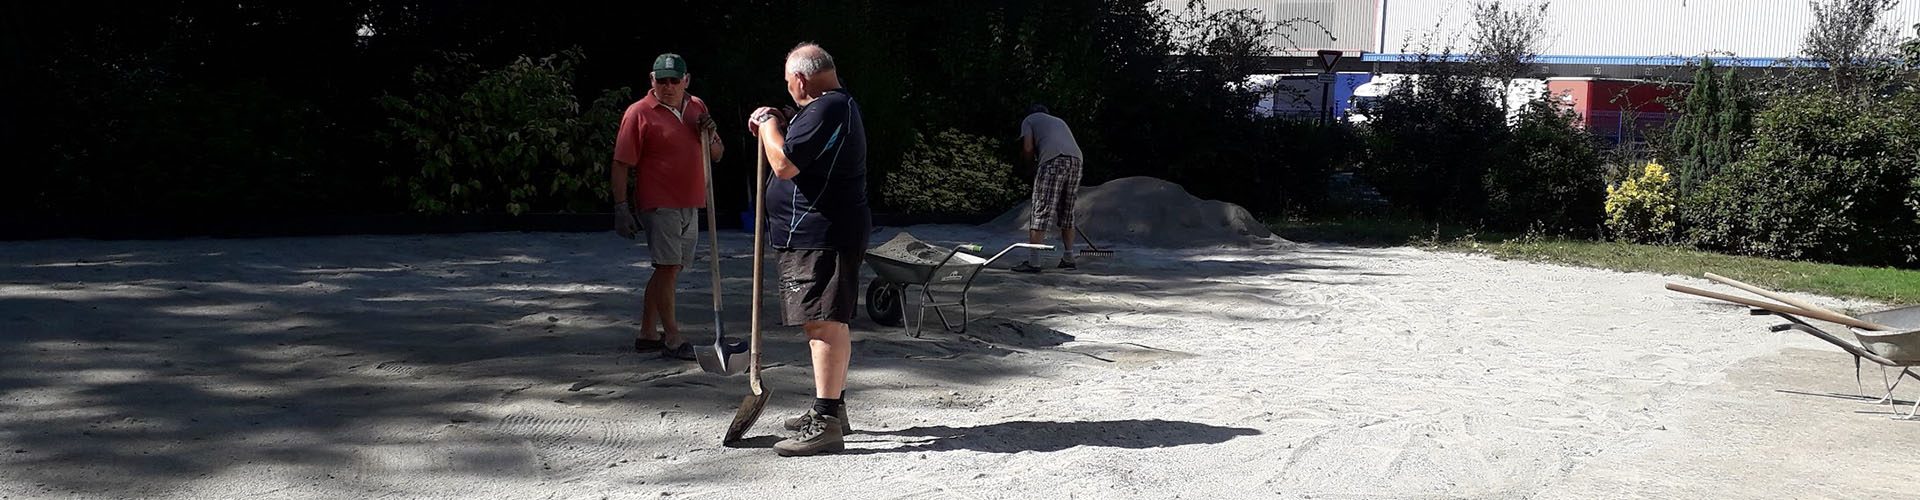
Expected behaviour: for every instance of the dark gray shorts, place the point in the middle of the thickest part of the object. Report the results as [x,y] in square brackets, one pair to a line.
[818,285]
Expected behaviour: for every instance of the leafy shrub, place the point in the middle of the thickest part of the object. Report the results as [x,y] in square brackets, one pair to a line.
[1549,174]
[1714,122]
[1910,50]
[1642,208]
[954,174]
[1829,178]
[509,140]
[1429,142]
[1295,166]
[128,138]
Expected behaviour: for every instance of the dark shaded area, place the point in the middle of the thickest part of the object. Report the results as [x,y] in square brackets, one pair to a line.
[1019,436]
[191,112]
[198,357]
[233,225]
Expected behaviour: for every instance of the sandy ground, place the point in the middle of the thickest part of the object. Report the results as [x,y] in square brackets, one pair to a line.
[495,366]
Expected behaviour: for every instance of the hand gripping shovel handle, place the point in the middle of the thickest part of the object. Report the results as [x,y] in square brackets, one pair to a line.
[750,406]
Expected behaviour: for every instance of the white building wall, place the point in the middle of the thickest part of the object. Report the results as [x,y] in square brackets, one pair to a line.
[1686,28]
[1345,25]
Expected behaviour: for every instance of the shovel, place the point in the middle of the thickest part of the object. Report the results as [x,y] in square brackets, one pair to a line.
[751,405]
[721,357]
[1821,315]
[1776,296]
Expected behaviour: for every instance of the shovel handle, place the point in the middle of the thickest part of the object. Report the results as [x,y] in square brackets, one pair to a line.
[1780,308]
[1771,295]
[713,236]
[759,252]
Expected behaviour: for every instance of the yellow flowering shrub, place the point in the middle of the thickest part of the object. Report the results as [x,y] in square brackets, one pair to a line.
[1641,208]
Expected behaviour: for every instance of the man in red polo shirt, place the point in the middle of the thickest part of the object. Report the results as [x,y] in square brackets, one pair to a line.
[658,148]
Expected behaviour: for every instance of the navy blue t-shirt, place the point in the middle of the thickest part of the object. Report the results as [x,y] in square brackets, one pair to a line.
[825,206]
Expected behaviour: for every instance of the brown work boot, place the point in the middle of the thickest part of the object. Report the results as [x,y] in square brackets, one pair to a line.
[819,435]
[800,422]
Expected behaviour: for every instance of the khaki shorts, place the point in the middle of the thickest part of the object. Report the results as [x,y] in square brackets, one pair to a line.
[670,234]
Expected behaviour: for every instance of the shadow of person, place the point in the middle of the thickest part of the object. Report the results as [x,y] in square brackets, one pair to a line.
[1015,437]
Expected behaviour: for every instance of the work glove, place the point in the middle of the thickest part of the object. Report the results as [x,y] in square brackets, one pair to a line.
[624,222]
[708,125]
[762,116]
[710,130]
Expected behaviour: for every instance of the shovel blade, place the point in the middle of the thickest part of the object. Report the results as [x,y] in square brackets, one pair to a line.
[744,418]
[723,358]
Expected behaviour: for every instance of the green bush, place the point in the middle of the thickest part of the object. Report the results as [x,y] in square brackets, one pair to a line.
[1828,179]
[1429,142]
[510,140]
[1715,121]
[954,174]
[135,140]
[1548,174]
[1642,208]
[1910,50]
[1295,162]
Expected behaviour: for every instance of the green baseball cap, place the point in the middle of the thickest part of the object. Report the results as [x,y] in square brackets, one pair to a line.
[669,65]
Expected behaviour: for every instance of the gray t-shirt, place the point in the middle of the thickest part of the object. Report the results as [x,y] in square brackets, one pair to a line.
[1051,137]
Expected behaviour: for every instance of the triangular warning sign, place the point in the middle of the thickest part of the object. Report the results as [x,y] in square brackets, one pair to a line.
[1329,57]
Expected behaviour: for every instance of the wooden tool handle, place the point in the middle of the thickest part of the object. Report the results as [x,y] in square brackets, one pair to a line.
[1779,308]
[713,228]
[1771,295]
[759,232]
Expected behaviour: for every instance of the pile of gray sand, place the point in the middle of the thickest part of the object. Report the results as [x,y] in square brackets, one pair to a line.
[1151,212]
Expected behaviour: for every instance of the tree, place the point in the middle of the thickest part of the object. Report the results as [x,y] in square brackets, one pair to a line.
[1910,50]
[1852,38]
[1505,41]
[275,106]
[1715,120]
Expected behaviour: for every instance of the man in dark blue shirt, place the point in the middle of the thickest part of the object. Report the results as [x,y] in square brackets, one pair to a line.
[817,222]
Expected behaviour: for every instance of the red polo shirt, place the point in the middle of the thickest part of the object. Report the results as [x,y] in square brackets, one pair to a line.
[666,148]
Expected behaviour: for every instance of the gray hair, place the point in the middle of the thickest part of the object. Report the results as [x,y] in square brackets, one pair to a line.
[809,59]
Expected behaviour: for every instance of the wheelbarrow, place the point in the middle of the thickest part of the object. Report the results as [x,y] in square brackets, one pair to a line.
[1889,338]
[940,273]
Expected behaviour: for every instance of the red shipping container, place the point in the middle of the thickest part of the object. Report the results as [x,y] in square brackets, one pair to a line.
[1616,109]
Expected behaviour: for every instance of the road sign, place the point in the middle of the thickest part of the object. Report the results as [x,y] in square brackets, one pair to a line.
[1328,58]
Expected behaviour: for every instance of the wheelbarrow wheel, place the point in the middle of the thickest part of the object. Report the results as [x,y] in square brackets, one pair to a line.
[883,302]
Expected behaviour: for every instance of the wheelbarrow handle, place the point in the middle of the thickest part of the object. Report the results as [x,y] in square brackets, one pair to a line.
[1035,246]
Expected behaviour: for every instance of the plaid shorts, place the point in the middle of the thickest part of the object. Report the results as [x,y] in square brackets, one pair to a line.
[1055,187]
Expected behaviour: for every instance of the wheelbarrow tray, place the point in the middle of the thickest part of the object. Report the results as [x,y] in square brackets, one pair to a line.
[1902,343]
[955,271]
